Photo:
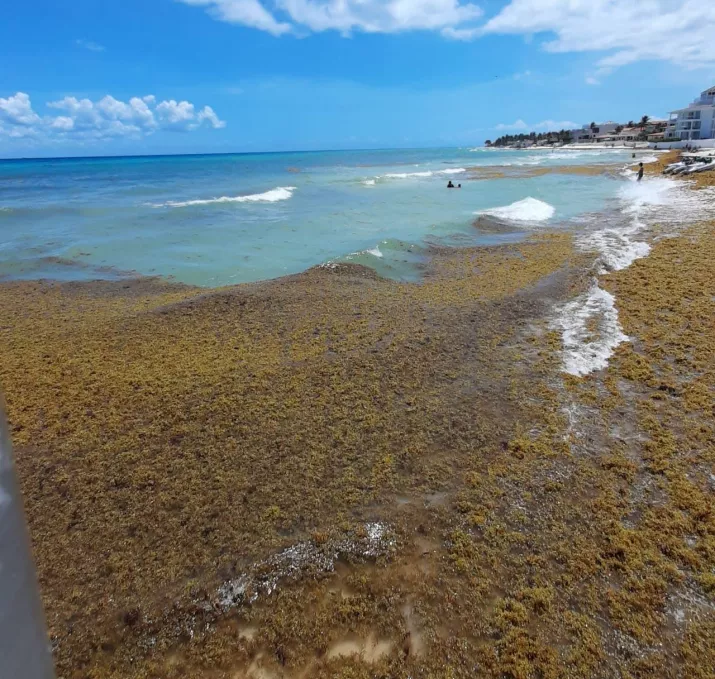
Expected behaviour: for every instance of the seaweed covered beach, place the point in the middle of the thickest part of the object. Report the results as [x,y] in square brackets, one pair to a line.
[334,474]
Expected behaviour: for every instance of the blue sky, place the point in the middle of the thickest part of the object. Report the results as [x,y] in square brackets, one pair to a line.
[83,77]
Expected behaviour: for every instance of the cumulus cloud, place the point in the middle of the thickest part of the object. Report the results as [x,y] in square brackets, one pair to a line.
[516,125]
[679,31]
[17,110]
[89,45]
[370,16]
[247,12]
[545,125]
[209,115]
[103,119]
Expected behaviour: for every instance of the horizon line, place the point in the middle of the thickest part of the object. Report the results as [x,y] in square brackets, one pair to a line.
[230,153]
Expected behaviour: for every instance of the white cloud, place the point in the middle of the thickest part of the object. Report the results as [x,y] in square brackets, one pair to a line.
[451,17]
[102,119]
[64,123]
[545,125]
[89,45]
[207,113]
[17,111]
[517,125]
[181,116]
[679,31]
[592,81]
[247,12]
[555,125]
[464,34]
[623,31]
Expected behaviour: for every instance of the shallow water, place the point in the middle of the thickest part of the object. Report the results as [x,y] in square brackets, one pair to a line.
[222,219]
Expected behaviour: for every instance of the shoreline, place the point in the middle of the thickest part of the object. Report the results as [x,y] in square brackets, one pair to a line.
[194,458]
[395,212]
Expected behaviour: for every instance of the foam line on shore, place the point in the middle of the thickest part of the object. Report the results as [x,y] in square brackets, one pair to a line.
[583,350]
[654,200]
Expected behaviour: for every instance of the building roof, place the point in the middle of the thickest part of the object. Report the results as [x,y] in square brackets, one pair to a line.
[693,107]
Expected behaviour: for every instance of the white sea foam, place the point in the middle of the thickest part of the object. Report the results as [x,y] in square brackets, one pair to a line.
[656,200]
[617,247]
[661,201]
[407,175]
[272,196]
[586,350]
[375,252]
[525,210]
[416,175]
[261,579]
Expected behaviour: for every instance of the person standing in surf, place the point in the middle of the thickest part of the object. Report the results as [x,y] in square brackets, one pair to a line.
[640,171]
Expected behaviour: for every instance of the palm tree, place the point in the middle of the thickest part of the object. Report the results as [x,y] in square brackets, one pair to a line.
[630,123]
[619,129]
[644,121]
[592,126]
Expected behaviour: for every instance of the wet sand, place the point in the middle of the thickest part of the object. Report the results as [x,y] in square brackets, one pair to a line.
[335,475]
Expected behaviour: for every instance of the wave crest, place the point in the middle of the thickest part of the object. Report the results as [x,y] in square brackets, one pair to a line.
[272,196]
[525,210]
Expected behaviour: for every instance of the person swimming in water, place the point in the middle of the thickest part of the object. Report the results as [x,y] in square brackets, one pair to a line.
[640,171]
[450,185]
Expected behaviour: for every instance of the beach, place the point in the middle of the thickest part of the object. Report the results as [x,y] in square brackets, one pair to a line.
[494,459]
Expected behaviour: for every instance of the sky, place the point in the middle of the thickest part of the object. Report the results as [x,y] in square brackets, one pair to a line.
[82,77]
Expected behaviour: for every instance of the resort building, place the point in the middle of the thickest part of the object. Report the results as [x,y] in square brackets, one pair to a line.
[628,134]
[697,121]
[588,133]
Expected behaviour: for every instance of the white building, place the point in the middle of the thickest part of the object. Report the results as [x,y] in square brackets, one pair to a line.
[628,134]
[697,121]
[588,133]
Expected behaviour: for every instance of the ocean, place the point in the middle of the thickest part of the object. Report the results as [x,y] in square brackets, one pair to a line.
[214,220]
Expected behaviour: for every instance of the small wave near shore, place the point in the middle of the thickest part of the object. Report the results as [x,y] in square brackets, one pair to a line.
[525,211]
[589,325]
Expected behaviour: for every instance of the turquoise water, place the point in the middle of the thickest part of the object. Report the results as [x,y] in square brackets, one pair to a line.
[221,219]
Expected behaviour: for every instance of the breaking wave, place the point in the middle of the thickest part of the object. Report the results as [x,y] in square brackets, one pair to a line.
[526,210]
[272,196]
[424,173]
[407,175]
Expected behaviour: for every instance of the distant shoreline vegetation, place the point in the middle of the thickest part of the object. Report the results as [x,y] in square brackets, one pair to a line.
[561,137]
[601,132]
